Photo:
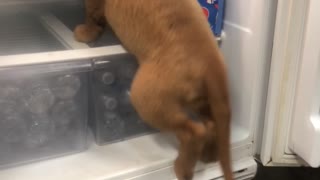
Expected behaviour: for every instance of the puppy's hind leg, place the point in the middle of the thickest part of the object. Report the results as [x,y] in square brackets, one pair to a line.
[192,137]
[94,22]
[209,152]
[160,108]
[220,109]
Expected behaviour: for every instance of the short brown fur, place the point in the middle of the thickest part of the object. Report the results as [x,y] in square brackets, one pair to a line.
[181,69]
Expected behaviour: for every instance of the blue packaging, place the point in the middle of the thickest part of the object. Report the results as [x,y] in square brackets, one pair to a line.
[213,9]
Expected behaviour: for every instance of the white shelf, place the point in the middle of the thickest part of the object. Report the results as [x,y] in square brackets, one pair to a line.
[112,162]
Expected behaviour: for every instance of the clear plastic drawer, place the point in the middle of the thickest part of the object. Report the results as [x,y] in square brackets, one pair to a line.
[114,118]
[44,111]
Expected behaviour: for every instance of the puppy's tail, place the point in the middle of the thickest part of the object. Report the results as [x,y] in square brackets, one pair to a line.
[218,97]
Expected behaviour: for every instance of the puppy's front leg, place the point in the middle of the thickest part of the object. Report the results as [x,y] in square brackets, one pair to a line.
[94,22]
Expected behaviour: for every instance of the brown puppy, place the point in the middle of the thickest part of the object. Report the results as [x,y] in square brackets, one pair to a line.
[181,70]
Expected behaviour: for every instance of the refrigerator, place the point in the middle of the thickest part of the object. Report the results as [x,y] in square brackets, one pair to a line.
[273,65]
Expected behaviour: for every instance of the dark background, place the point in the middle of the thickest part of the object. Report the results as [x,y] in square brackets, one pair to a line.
[287,173]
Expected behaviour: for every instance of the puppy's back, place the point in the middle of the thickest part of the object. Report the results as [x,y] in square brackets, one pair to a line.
[154,28]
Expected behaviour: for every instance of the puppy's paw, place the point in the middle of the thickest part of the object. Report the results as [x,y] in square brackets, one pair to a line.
[209,153]
[87,33]
[183,172]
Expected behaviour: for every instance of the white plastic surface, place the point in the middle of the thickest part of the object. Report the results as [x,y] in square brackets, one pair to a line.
[247,50]
[285,62]
[291,130]
[119,161]
[305,133]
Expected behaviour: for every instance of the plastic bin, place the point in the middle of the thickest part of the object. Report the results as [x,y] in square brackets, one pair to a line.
[44,111]
[114,118]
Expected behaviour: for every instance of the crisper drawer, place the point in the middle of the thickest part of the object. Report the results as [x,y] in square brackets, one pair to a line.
[43,111]
[114,118]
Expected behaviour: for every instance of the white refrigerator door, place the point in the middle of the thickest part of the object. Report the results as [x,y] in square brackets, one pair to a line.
[292,127]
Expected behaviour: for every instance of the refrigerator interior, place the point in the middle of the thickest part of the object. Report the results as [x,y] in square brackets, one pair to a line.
[46,26]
